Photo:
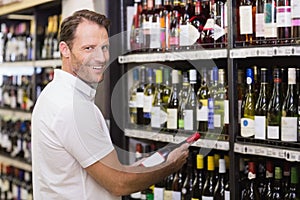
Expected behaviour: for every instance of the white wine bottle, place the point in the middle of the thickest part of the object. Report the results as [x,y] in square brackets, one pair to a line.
[162,154]
[289,112]
[172,110]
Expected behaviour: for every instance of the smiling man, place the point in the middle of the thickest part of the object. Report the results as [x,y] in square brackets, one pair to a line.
[73,156]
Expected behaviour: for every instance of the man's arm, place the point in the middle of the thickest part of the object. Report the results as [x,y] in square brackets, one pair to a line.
[123,180]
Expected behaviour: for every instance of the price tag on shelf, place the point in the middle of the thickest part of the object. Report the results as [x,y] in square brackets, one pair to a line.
[296,50]
[283,51]
[237,148]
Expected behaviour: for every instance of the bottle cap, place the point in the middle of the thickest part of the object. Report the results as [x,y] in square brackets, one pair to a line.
[215,74]
[210,163]
[278,173]
[292,76]
[135,74]
[158,76]
[249,76]
[294,175]
[200,161]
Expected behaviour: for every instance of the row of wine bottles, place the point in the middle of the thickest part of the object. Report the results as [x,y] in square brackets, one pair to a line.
[194,24]
[268,179]
[21,91]
[200,178]
[170,104]
[15,139]
[268,22]
[273,111]
[182,24]
[15,183]
[18,40]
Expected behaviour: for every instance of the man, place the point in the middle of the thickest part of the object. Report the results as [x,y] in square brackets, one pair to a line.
[73,156]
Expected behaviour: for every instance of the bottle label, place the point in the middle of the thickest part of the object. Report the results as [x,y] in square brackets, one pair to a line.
[259,25]
[246,20]
[227,195]
[188,35]
[176,195]
[155,117]
[283,16]
[207,198]
[289,129]
[168,195]
[172,118]
[189,120]
[154,159]
[158,193]
[210,114]
[260,127]
[295,9]
[219,113]
[147,103]
[139,99]
[273,132]
[155,35]
[270,25]
[202,111]
[226,112]
[247,127]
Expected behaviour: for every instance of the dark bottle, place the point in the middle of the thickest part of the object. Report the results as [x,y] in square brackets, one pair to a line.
[261,107]
[277,187]
[177,184]
[289,113]
[199,178]
[283,21]
[219,192]
[198,20]
[251,191]
[274,108]
[220,23]
[293,191]
[269,178]
[186,190]
[270,21]
[140,96]
[208,29]
[209,185]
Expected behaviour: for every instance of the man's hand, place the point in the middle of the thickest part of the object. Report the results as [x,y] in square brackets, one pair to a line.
[178,156]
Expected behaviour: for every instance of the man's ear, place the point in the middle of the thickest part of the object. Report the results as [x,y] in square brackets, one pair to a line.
[64,49]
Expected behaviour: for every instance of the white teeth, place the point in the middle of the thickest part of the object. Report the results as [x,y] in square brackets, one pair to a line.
[97,67]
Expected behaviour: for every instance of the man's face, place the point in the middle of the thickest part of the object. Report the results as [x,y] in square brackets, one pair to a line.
[90,52]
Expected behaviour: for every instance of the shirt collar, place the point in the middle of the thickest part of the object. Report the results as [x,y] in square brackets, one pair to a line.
[78,84]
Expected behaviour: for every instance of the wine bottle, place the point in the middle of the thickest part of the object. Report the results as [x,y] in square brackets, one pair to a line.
[261,107]
[277,187]
[174,27]
[158,112]
[155,33]
[269,178]
[172,110]
[183,95]
[284,21]
[199,179]
[140,96]
[286,177]
[241,94]
[177,185]
[132,96]
[190,112]
[167,86]
[289,112]
[198,20]
[295,21]
[148,97]
[161,155]
[270,21]
[221,105]
[219,192]
[208,29]
[247,120]
[187,186]
[247,21]
[168,187]
[138,156]
[212,125]
[220,23]
[293,191]
[202,109]
[209,185]
[259,22]
[274,108]
[251,191]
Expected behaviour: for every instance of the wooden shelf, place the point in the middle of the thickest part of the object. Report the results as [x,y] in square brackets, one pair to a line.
[23,4]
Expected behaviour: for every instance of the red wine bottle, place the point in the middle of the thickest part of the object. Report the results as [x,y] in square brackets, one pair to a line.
[161,155]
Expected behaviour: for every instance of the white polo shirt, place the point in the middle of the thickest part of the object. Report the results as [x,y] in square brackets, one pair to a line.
[68,134]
